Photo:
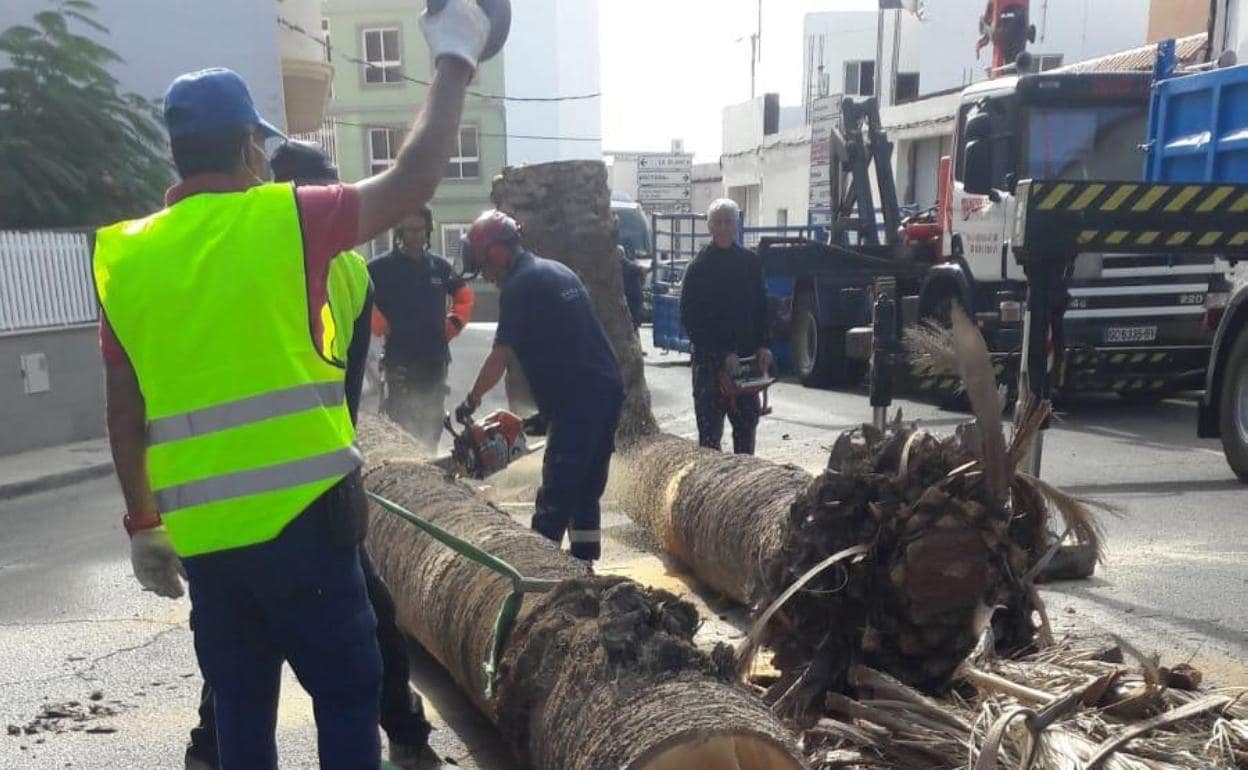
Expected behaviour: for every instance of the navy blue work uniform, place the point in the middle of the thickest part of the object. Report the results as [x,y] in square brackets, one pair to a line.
[547,320]
[723,306]
[310,544]
[412,295]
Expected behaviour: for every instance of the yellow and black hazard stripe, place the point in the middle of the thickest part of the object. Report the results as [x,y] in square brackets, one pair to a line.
[1141,216]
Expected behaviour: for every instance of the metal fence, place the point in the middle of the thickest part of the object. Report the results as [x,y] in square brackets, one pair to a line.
[45,280]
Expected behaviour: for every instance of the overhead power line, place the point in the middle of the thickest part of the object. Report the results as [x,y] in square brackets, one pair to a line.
[338,122]
[331,51]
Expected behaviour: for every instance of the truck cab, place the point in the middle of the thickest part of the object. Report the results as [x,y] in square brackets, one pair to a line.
[1134,323]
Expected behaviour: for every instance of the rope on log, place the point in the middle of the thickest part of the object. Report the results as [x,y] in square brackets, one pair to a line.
[599,674]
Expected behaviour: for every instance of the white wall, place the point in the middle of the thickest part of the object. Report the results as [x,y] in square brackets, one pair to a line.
[942,46]
[161,39]
[832,39]
[553,51]
[772,175]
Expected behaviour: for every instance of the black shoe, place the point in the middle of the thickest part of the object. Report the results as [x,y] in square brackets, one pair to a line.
[408,757]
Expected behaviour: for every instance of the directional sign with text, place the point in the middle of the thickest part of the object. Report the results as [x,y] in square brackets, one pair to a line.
[647,178]
[664,162]
[664,193]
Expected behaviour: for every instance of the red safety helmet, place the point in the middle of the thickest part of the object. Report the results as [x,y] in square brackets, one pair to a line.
[491,240]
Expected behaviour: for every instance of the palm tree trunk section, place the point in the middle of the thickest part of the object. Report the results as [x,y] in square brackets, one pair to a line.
[599,674]
[938,553]
[724,516]
[564,211]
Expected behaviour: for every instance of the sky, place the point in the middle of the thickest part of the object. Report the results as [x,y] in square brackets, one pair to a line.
[669,67]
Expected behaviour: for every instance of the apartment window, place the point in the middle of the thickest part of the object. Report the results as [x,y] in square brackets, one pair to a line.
[906,87]
[1048,61]
[451,235]
[859,78]
[465,163]
[381,51]
[383,148]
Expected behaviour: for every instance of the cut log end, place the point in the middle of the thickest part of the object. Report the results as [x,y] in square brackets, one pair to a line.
[731,751]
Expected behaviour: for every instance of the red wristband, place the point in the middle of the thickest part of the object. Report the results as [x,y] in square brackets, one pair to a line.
[133,524]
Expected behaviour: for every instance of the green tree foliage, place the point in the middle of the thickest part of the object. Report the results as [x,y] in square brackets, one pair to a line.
[74,151]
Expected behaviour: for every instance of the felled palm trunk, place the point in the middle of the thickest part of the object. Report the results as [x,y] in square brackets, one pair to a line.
[564,210]
[599,674]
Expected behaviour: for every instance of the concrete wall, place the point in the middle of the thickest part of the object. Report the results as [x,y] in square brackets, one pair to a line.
[72,410]
[831,39]
[942,46]
[708,185]
[161,39]
[553,51]
[1177,18]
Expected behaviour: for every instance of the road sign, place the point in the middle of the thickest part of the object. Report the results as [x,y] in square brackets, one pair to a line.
[668,207]
[667,192]
[664,162]
[647,178]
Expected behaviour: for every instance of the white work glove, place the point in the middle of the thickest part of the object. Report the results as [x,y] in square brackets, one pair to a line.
[156,566]
[460,29]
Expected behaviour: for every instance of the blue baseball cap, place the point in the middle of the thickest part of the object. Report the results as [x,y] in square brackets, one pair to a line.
[207,100]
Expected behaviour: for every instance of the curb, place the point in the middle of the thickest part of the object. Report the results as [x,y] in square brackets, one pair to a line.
[54,480]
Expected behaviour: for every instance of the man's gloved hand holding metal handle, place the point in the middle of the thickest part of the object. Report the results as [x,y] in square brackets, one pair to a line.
[156,566]
[464,411]
[458,28]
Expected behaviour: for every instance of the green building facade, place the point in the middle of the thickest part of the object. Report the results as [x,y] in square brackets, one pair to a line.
[372,107]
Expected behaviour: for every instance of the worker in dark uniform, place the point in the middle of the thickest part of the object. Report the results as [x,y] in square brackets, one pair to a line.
[634,285]
[402,711]
[723,306]
[547,323]
[412,285]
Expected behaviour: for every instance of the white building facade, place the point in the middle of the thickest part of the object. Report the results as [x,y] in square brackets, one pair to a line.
[553,51]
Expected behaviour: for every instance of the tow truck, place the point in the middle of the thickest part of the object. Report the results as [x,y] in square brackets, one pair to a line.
[1138,323]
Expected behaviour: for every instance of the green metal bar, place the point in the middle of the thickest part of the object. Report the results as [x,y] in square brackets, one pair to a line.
[510,608]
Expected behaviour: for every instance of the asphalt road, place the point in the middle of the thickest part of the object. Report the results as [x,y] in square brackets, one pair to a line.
[73,623]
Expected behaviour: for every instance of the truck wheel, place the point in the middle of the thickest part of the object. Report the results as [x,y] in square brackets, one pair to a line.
[819,351]
[1233,408]
[809,346]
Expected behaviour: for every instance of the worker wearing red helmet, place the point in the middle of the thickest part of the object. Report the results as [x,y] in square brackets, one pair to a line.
[548,326]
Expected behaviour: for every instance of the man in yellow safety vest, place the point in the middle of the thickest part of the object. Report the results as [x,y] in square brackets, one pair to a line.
[227,406]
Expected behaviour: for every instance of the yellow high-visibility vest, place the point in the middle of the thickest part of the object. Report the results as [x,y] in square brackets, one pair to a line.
[247,417]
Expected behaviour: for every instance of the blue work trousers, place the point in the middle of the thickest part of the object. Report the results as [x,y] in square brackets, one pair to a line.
[298,598]
[574,474]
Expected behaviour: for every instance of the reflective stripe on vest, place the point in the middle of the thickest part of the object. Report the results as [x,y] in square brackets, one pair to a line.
[247,419]
[248,410]
[254,482]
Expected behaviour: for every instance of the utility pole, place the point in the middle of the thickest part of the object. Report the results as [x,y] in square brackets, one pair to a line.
[756,50]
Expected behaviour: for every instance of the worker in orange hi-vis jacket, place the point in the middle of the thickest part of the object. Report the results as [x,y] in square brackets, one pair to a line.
[412,286]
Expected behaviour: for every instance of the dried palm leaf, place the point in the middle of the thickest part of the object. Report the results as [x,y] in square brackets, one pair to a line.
[1077,512]
[930,347]
[975,368]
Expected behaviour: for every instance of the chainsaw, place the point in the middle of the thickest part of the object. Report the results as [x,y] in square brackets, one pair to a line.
[745,381]
[484,448]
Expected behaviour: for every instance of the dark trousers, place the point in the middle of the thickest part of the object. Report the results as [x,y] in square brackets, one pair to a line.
[574,475]
[402,712]
[710,407]
[298,598]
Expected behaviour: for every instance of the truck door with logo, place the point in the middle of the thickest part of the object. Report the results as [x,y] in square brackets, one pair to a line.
[980,222]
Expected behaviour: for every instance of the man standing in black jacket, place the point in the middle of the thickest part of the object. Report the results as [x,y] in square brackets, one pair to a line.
[723,305]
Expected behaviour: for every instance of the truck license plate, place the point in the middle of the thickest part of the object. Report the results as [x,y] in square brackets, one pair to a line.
[1131,334]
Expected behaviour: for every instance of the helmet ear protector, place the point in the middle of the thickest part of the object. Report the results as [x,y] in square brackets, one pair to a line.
[490,242]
